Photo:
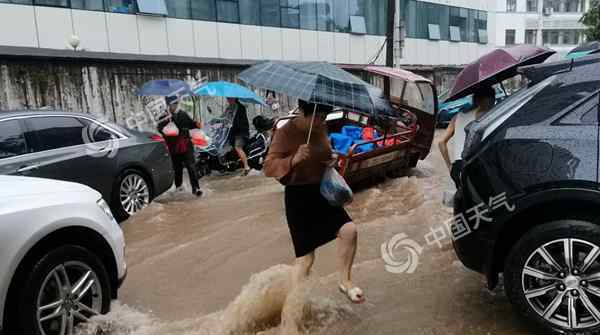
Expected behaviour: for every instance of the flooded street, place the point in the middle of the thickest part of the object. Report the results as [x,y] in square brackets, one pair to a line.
[219,265]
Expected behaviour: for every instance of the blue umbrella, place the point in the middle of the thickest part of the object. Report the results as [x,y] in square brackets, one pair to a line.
[229,90]
[164,87]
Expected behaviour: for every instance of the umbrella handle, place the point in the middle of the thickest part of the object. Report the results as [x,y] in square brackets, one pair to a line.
[312,121]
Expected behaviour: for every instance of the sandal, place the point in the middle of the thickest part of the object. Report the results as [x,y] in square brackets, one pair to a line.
[354,294]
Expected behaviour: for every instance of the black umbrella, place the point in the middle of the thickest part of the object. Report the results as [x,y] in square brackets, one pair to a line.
[316,82]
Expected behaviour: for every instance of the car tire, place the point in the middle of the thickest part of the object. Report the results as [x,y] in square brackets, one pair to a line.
[545,288]
[120,211]
[39,288]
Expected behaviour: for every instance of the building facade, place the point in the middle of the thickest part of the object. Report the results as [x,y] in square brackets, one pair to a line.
[552,23]
[445,32]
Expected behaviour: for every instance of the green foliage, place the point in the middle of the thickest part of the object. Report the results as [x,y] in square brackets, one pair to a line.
[592,21]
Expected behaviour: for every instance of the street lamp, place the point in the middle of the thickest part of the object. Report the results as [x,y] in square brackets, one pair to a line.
[74,42]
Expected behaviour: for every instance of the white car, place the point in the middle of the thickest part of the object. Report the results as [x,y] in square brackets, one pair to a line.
[61,256]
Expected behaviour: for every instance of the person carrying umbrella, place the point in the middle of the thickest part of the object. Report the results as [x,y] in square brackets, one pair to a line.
[240,130]
[300,153]
[483,101]
[180,146]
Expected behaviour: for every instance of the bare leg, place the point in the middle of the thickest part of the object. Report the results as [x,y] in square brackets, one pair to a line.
[302,268]
[346,246]
[243,157]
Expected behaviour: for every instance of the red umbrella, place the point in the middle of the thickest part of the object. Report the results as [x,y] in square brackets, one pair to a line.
[495,67]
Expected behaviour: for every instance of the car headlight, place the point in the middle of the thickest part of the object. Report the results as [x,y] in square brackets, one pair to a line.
[106,209]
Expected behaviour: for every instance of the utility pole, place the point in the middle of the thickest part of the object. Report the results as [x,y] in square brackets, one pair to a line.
[389,55]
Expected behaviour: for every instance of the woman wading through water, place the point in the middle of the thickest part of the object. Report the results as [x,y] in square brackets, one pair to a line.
[312,221]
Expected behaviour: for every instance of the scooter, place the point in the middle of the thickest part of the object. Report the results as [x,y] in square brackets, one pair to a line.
[220,156]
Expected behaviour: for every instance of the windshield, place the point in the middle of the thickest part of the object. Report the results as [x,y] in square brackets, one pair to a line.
[419,96]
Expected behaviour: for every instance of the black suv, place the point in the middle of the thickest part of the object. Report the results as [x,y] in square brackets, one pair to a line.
[529,201]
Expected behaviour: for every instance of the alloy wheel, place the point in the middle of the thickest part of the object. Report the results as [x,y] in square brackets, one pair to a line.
[71,293]
[561,282]
[134,194]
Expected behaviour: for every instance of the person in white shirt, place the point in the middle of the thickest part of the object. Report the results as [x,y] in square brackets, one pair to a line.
[483,101]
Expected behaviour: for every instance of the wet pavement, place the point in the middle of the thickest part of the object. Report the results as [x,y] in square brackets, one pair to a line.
[219,265]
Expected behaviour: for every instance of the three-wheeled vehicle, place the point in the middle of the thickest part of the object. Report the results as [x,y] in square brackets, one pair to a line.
[385,145]
[391,143]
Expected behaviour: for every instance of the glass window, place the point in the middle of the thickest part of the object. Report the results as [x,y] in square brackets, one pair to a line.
[325,20]
[290,13]
[12,140]
[21,2]
[358,25]
[454,34]
[458,18]
[270,13]
[227,11]
[532,5]
[434,31]
[341,16]
[87,4]
[410,18]
[308,14]
[180,9]
[481,26]
[55,3]
[153,7]
[249,12]
[98,132]
[511,5]
[54,132]
[531,36]
[472,26]
[509,37]
[121,6]
[203,10]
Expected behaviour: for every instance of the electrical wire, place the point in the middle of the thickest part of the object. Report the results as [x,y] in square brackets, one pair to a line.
[376,56]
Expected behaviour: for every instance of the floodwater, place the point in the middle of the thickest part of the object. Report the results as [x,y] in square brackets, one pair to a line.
[220,265]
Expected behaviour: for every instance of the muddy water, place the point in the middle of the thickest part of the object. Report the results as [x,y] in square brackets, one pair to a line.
[220,265]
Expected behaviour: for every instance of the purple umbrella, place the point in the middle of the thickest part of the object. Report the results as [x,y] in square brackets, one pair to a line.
[496,66]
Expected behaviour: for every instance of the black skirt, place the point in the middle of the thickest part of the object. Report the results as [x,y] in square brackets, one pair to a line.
[313,222]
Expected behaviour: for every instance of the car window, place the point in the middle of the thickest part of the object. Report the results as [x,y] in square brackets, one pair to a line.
[12,140]
[53,132]
[585,113]
[591,116]
[97,132]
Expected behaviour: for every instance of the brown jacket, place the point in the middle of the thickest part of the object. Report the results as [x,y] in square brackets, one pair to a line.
[284,145]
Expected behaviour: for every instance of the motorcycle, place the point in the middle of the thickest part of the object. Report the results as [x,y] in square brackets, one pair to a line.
[220,156]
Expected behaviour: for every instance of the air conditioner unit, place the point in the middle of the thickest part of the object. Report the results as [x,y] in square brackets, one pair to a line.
[548,11]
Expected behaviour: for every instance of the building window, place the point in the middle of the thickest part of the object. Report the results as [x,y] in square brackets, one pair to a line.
[481,25]
[551,37]
[308,14]
[532,5]
[325,21]
[458,18]
[120,6]
[341,16]
[434,31]
[249,12]
[509,37]
[511,5]
[454,34]
[20,2]
[53,3]
[85,4]
[228,11]
[531,36]
[290,14]
[180,9]
[152,7]
[270,14]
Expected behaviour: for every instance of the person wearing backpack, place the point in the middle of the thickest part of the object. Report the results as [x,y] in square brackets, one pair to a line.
[180,146]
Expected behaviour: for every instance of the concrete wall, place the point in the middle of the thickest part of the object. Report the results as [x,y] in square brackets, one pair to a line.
[105,90]
[47,27]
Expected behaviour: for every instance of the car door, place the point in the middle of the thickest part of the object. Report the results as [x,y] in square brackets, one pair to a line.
[61,150]
[13,146]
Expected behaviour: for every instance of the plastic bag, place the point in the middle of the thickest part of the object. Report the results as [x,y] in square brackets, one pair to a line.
[171,130]
[199,138]
[335,189]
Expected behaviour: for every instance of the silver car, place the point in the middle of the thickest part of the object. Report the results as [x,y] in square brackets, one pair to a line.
[129,168]
[61,255]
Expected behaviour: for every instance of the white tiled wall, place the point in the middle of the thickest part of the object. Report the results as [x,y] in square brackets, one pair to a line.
[21,20]
[178,37]
[54,27]
[91,29]
[152,33]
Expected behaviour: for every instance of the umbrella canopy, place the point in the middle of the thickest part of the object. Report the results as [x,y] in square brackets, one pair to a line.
[316,82]
[495,67]
[164,87]
[229,90]
[584,50]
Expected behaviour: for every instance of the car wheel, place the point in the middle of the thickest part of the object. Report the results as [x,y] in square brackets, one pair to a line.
[64,288]
[552,276]
[131,195]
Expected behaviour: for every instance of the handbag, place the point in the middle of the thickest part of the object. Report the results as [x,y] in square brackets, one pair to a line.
[335,189]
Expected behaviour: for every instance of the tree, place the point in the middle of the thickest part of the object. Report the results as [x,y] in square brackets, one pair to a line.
[591,19]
